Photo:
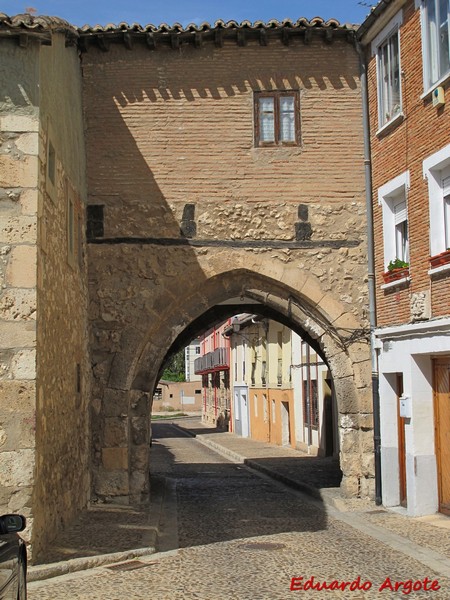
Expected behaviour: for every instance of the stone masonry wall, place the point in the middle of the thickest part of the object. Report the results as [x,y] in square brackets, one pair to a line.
[171,155]
[19,126]
[62,485]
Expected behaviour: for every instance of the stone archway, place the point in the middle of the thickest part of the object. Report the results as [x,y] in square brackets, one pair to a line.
[126,378]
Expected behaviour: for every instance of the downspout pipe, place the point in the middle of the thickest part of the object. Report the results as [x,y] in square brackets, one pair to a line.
[371,274]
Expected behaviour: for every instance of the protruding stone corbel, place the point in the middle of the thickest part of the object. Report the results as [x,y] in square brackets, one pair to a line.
[103,43]
[151,41]
[241,38]
[303,229]
[307,39]
[188,226]
[329,36]
[263,37]
[218,38]
[23,40]
[128,41]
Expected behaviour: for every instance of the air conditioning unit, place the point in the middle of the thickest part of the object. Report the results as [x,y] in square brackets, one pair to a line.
[438,97]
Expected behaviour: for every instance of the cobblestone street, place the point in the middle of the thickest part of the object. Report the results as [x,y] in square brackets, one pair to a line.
[229,532]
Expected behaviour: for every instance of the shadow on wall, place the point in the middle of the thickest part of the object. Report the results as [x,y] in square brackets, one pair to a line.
[245,75]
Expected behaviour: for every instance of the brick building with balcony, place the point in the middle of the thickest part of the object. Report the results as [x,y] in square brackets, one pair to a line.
[408,57]
[213,365]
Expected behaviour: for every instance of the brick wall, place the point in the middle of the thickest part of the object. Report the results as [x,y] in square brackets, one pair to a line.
[404,146]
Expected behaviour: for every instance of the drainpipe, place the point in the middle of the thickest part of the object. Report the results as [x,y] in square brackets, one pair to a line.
[371,275]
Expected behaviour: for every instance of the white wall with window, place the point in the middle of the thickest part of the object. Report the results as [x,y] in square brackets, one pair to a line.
[392,197]
[436,170]
[386,47]
[435,41]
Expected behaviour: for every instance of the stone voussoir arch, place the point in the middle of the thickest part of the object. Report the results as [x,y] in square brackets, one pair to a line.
[298,298]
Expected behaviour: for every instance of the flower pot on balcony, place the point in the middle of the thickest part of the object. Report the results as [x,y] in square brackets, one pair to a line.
[395,274]
[440,259]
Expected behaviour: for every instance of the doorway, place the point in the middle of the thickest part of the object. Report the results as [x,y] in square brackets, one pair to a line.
[401,443]
[285,425]
[441,386]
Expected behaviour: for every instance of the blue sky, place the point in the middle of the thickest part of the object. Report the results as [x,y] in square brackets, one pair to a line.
[80,12]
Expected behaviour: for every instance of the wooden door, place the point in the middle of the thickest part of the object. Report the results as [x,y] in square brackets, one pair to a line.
[401,443]
[442,429]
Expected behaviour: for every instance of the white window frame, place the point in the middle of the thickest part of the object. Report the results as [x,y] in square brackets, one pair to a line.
[388,198]
[429,80]
[388,32]
[436,168]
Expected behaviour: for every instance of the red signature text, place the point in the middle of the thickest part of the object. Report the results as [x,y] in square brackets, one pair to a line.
[405,587]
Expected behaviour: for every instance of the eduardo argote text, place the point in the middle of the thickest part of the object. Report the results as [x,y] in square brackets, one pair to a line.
[388,584]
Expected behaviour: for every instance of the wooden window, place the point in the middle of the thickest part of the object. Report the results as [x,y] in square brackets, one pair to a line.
[389,93]
[277,118]
[436,50]
[310,404]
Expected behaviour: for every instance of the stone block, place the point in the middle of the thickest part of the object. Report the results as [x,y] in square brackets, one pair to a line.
[331,307]
[366,421]
[21,502]
[19,123]
[139,403]
[346,395]
[368,464]
[365,399]
[29,201]
[111,483]
[350,487]
[140,457]
[18,304]
[363,374]
[16,468]
[349,440]
[17,335]
[115,403]
[18,230]
[21,271]
[351,464]
[28,143]
[367,444]
[18,173]
[140,430]
[115,432]
[23,365]
[115,458]
[17,396]
[367,487]
[17,431]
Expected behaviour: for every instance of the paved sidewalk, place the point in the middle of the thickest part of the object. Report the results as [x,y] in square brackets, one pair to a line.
[320,478]
[309,474]
[106,534]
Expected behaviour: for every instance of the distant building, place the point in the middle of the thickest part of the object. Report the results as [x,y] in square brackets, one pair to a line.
[191,352]
[281,388]
[213,365]
[183,396]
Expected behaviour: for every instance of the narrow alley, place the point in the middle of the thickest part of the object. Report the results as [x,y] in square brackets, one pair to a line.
[228,531]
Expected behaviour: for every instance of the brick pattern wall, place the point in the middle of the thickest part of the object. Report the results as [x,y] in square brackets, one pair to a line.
[423,132]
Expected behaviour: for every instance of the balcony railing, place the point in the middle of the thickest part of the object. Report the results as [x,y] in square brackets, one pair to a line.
[212,361]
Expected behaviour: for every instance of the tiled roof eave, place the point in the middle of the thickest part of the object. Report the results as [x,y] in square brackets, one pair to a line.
[43,27]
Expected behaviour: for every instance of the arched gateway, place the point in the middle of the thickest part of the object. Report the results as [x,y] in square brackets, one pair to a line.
[130,373]
[207,164]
